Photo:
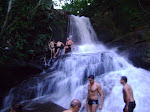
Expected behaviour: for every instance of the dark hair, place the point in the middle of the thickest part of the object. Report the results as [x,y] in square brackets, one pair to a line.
[124,78]
[75,103]
[91,76]
[17,107]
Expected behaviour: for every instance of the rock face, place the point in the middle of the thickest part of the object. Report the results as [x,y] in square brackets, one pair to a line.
[42,107]
[13,75]
[45,107]
[138,54]
[104,35]
[135,47]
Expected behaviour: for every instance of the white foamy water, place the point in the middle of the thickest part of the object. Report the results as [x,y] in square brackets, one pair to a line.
[69,80]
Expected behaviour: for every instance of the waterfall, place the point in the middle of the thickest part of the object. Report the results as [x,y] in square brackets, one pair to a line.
[81,30]
[70,78]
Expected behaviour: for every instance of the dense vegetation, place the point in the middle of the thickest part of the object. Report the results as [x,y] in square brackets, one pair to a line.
[123,16]
[26,28]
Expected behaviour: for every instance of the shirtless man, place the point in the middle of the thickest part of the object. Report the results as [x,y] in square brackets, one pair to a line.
[59,44]
[52,48]
[74,106]
[92,98]
[69,44]
[127,95]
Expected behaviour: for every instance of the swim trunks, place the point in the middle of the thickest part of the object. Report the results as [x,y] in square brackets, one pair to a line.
[52,47]
[59,47]
[131,107]
[69,46]
[91,102]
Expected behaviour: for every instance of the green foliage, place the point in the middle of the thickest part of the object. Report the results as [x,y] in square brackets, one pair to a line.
[41,40]
[147,36]
[77,6]
[29,27]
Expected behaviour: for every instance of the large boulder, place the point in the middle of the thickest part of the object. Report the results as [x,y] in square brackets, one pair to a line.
[40,107]
[13,75]
[135,47]
[104,35]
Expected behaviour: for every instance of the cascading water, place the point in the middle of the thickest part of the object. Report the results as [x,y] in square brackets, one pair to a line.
[69,80]
[81,30]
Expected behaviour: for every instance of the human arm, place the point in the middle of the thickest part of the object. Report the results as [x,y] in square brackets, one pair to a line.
[86,99]
[67,43]
[102,96]
[71,43]
[62,44]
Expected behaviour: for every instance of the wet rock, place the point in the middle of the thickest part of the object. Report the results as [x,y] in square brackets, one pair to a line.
[44,107]
[135,47]
[104,35]
[41,107]
[13,75]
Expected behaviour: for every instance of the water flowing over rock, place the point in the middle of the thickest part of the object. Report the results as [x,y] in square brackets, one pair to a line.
[69,80]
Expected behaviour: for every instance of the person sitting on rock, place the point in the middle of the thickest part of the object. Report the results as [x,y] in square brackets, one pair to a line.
[58,44]
[52,47]
[69,44]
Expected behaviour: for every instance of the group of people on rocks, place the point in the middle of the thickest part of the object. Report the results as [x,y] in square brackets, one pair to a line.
[91,102]
[59,44]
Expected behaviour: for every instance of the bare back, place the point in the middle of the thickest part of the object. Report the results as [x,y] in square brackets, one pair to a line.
[128,93]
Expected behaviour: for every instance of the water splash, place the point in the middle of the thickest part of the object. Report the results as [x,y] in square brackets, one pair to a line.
[81,30]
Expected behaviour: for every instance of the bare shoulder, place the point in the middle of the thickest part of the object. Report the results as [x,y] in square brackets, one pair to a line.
[98,85]
[126,87]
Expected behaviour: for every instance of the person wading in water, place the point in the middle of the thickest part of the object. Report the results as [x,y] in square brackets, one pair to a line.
[127,95]
[92,98]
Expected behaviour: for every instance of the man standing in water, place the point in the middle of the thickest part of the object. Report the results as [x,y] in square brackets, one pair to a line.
[74,106]
[59,44]
[69,44]
[92,98]
[127,96]
[52,48]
